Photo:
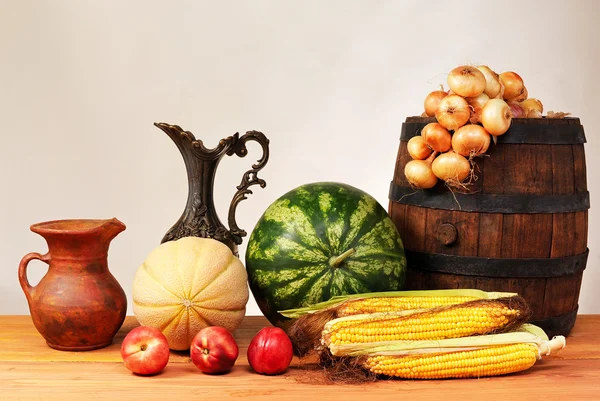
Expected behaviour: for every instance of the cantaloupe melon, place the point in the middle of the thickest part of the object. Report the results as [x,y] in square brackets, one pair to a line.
[188,284]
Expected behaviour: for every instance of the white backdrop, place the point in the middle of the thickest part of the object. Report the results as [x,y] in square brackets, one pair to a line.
[328,82]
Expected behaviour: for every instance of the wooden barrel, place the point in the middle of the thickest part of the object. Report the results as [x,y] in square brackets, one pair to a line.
[522,228]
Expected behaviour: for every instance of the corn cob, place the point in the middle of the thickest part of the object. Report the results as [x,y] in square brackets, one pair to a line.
[477,356]
[492,361]
[392,304]
[466,319]
[347,305]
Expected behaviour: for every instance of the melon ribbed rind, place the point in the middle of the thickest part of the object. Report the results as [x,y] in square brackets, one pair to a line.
[188,284]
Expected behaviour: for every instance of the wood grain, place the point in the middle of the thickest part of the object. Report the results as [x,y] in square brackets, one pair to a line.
[415,221]
[490,235]
[562,170]
[29,370]
[579,169]
[493,173]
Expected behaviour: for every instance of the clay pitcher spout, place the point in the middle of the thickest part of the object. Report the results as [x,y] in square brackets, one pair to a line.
[111,228]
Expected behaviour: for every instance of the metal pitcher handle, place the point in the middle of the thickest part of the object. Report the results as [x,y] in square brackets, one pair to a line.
[250,178]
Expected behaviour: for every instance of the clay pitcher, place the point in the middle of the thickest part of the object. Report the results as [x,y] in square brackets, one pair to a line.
[78,305]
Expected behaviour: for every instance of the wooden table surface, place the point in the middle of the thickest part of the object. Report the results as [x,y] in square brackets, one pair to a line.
[30,370]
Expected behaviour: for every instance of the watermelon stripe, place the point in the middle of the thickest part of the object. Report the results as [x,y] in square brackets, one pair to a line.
[318,289]
[296,276]
[309,286]
[362,219]
[344,282]
[292,219]
[282,265]
[383,232]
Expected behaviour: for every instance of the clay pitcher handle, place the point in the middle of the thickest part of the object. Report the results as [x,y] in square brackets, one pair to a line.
[250,178]
[27,288]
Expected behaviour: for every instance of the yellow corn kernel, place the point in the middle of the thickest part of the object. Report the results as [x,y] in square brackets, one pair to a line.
[390,304]
[462,320]
[490,361]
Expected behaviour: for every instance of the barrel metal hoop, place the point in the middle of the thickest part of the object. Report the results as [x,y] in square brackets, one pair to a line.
[492,267]
[490,203]
[533,134]
[558,325]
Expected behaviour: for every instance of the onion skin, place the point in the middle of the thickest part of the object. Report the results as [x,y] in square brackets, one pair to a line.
[516,110]
[496,117]
[492,80]
[471,140]
[478,101]
[477,104]
[417,148]
[451,167]
[419,174]
[453,112]
[513,85]
[500,95]
[437,137]
[522,96]
[466,81]
[432,101]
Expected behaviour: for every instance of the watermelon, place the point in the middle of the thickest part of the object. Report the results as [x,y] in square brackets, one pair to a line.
[318,241]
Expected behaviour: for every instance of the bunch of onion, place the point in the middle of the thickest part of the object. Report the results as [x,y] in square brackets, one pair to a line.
[479,106]
[476,85]
[439,155]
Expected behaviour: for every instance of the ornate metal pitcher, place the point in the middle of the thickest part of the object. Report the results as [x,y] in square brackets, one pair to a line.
[199,219]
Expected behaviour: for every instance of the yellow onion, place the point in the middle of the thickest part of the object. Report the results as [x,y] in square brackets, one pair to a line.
[466,81]
[417,148]
[471,140]
[477,104]
[496,117]
[432,101]
[492,81]
[521,97]
[533,108]
[453,112]
[437,137]
[513,85]
[451,167]
[419,173]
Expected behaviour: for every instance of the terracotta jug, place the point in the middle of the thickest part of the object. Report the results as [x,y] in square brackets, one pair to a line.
[78,305]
